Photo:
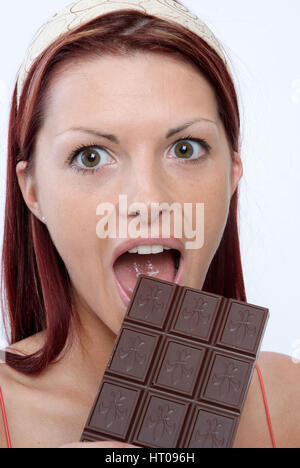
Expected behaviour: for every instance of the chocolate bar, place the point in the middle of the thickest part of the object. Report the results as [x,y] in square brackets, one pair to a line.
[180,369]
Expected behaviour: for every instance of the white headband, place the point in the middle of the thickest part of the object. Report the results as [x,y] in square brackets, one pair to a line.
[82,11]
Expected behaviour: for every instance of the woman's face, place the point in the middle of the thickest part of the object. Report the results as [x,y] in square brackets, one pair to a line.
[138,99]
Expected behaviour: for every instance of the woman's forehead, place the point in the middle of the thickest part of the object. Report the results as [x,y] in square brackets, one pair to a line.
[108,88]
[122,94]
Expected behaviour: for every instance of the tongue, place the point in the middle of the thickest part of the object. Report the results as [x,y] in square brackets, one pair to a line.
[129,266]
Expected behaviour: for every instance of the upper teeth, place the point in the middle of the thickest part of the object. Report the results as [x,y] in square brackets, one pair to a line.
[148,249]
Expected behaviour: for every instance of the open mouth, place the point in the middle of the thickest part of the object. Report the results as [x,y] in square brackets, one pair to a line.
[128,266]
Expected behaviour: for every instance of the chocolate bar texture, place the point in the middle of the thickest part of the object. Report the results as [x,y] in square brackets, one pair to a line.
[180,369]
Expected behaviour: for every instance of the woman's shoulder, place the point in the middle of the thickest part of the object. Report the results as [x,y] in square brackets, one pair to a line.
[15,385]
[32,399]
[281,383]
[281,375]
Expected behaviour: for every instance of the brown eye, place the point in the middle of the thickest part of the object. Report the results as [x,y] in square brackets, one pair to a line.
[184,150]
[189,149]
[90,158]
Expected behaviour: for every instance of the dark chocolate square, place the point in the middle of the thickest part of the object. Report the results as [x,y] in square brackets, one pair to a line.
[161,422]
[180,367]
[114,409]
[152,302]
[242,329]
[133,354]
[197,314]
[212,429]
[228,378]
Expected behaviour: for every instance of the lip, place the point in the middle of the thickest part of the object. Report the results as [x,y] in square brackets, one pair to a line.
[170,242]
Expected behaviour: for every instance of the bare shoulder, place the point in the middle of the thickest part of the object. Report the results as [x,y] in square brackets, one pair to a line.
[14,385]
[281,383]
[43,410]
[281,378]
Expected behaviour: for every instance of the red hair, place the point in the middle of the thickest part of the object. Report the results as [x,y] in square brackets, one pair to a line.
[36,293]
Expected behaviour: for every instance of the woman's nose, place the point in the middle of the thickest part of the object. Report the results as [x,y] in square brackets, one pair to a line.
[146,184]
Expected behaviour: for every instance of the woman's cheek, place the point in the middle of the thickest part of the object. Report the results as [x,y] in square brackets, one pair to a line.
[216,210]
[71,222]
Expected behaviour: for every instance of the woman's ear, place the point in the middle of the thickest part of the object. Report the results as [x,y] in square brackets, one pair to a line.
[28,189]
[236,171]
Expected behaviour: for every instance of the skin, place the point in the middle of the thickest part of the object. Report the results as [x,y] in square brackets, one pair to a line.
[155,94]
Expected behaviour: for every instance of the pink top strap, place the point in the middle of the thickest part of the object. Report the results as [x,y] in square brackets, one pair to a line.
[266,405]
[5,420]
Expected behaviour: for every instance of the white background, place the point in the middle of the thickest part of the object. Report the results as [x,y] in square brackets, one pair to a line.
[262,40]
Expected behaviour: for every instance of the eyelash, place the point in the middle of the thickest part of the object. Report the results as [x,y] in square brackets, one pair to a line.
[76,151]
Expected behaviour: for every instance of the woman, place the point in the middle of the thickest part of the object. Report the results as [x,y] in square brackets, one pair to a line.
[132,77]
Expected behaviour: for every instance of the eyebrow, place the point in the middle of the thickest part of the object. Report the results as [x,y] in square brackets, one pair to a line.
[115,139]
